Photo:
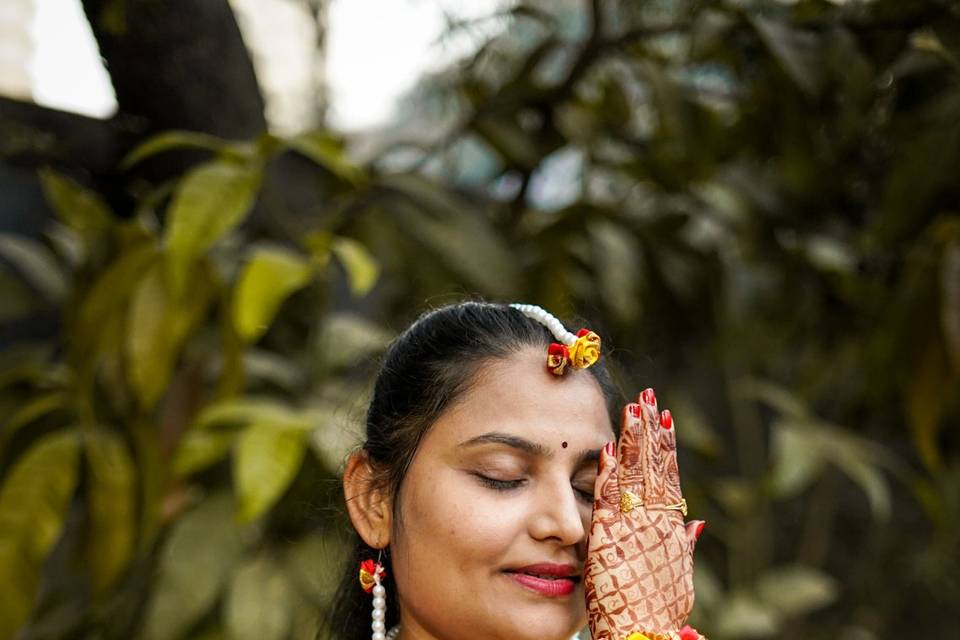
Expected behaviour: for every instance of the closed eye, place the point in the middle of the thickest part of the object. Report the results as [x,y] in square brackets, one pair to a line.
[586,496]
[497,484]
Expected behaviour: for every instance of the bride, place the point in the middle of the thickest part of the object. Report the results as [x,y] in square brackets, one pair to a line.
[492,499]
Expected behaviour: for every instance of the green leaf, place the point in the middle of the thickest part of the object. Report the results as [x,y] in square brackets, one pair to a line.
[19,300]
[925,400]
[37,491]
[776,397]
[361,268]
[276,369]
[803,445]
[156,329]
[36,264]
[460,235]
[267,279]
[864,471]
[259,602]
[617,269]
[110,293]
[347,338]
[242,411]
[199,449]
[695,431]
[33,503]
[745,616]
[170,140]
[797,51]
[111,487]
[510,140]
[266,461]
[209,202]
[310,561]
[327,152]
[798,460]
[797,590]
[77,207]
[17,589]
[67,244]
[30,411]
[194,565]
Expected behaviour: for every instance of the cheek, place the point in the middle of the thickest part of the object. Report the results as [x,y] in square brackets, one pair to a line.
[448,518]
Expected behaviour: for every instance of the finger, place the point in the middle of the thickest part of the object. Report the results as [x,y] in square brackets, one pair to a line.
[606,488]
[694,530]
[652,458]
[634,443]
[669,476]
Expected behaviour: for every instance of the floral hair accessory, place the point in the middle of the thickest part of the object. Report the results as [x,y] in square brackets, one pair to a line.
[577,351]
[686,633]
[586,350]
[371,572]
[558,357]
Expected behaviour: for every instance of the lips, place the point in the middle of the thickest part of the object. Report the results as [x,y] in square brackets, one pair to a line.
[547,579]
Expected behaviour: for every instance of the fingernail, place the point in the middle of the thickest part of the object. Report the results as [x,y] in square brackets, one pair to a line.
[699,530]
[649,397]
[634,410]
[666,419]
[610,448]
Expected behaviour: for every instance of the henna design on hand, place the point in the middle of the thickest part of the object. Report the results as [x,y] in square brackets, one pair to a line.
[639,566]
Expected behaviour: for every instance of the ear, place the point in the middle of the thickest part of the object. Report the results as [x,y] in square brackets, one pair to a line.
[368,504]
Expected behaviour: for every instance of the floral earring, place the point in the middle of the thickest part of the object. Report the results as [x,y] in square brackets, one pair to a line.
[371,575]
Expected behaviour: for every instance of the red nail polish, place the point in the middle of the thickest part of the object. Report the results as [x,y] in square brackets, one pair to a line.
[610,448]
[649,397]
[634,410]
[666,419]
[699,530]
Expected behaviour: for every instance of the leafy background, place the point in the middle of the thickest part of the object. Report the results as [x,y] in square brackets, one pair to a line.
[757,204]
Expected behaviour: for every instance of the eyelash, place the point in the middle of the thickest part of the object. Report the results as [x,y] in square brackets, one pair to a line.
[499,485]
[507,485]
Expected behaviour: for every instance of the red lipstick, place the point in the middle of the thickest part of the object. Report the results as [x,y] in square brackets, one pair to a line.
[548,579]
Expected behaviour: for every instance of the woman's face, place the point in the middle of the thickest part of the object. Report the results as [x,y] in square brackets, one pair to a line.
[495,508]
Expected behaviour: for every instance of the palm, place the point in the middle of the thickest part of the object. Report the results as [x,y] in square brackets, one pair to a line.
[639,567]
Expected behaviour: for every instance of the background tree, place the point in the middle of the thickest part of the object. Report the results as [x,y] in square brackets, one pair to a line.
[754,203]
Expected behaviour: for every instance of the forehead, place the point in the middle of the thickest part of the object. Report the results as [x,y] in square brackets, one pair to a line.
[520,396]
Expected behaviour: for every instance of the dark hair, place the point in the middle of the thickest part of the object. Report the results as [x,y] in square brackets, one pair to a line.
[425,369]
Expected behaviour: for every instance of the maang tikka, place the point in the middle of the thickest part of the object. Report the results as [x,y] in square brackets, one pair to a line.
[372,574]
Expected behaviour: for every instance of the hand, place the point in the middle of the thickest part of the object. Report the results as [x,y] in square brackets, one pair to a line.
[639,566]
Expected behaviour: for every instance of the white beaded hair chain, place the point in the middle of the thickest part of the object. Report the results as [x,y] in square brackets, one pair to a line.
[548,320]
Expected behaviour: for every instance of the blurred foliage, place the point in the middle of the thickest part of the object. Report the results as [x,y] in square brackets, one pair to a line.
[755,203]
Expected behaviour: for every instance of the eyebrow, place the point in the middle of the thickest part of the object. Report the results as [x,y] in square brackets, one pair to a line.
[526,446]
[515,442]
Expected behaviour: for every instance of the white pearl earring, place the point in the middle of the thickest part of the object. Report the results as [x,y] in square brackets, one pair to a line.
[379,602]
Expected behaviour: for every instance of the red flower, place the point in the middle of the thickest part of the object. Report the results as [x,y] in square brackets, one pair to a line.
[558,357]
[689,633]
[368,569]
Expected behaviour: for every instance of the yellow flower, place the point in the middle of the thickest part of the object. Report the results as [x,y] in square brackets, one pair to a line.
[586,350]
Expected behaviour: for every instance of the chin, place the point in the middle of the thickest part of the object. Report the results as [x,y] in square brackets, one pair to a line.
[546,623]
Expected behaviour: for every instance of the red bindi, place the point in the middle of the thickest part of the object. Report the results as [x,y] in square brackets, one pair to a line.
[564,444]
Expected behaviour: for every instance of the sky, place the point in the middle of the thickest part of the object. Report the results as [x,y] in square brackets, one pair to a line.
[376,49]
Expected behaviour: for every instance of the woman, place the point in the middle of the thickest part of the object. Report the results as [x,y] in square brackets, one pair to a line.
[492,491]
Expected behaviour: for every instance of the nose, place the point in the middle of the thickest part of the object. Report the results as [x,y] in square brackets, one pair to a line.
[557,514]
